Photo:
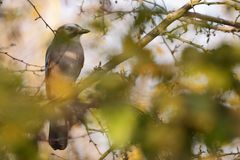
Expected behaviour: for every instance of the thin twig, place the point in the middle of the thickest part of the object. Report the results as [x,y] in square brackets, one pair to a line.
[40,17]
[53,154]
[38,90]
[20,60]
[81,7]
[105,154]
[90,138]
[172,51]
[102,128]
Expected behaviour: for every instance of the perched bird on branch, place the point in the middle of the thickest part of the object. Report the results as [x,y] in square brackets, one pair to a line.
[63,63]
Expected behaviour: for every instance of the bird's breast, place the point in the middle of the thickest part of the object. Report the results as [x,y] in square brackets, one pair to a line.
[64,64]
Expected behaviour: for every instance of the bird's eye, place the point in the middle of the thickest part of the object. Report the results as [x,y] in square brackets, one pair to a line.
[70,29]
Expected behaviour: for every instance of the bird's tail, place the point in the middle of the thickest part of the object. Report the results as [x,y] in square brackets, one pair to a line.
[71,114]
[58,134]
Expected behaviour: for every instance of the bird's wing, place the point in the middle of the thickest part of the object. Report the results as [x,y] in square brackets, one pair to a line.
[53,56]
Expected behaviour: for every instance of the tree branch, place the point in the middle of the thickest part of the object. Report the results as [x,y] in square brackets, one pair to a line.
[212,19]
[116,60]
[161,28]
[205,24]
[234,5]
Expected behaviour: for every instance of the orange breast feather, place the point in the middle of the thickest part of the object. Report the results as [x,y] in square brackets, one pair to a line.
[58,85]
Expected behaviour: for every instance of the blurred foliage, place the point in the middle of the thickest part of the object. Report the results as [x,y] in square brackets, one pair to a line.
[188,105]
[21,118]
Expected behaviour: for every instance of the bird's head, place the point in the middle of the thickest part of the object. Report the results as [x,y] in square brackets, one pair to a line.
[69,31]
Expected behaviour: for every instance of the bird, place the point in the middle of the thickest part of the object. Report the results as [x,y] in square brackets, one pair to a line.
[63,63]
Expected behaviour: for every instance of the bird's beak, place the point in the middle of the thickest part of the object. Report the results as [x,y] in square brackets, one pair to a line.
[83,31]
